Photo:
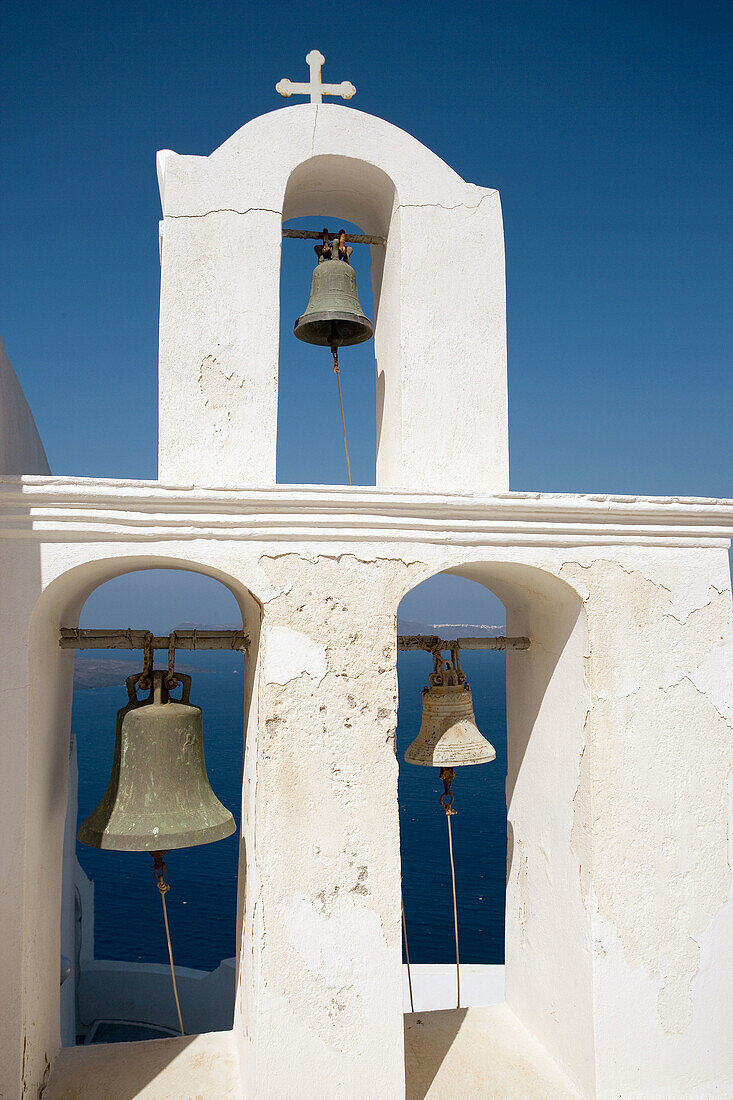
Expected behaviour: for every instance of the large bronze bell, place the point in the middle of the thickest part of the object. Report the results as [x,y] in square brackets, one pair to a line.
[333,316]
[159,796]
[449,736]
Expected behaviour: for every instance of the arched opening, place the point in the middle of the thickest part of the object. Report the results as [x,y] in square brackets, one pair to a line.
[50,672]
[548,961]
[310,444]
[335,192]
[453,607]
[120,964]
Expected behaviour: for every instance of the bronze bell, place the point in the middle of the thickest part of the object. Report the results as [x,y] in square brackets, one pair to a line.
[449,736]
[333,316]
[158,796]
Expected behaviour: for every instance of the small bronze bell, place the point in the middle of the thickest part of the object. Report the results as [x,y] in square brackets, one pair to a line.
[448,737]
[333,317]
[159,796]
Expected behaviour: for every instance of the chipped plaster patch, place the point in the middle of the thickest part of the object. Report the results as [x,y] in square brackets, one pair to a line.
[218,386]
[326,998]
[290,654]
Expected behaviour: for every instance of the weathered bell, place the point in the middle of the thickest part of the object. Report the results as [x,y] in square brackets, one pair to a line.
[448,737]
[159,796]
[333,316]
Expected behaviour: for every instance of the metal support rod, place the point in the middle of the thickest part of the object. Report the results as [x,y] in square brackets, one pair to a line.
[313,235]
[432,642]
[74,638]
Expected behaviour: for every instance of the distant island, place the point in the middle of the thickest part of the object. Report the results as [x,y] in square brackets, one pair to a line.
[93,672]
[450,630]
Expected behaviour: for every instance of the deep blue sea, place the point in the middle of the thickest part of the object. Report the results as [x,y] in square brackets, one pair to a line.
[202,900]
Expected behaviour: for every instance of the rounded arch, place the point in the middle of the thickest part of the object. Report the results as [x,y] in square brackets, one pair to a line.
[292,135]
[332,190]
[548,707]
[68,592]
[50,672]
[355,190]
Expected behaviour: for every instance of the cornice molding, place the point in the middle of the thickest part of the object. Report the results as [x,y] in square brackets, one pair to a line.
[88,509]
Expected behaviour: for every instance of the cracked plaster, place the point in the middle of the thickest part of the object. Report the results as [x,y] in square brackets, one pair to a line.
[651,811]
[327,792]
[321,946]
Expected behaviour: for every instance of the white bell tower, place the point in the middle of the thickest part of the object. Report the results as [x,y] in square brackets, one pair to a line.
[438,281]
[619,900]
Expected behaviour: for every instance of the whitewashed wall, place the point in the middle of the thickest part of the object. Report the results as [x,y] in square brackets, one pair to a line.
[619,904]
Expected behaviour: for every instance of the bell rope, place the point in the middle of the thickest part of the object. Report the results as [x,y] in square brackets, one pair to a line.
[163,887]
[446,801]
[335,353]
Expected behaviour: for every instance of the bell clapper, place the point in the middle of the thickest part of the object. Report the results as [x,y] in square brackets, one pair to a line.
[163,887]
[446,801]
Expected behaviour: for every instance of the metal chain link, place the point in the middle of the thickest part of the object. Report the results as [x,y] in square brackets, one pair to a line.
[171,680]
[145,679]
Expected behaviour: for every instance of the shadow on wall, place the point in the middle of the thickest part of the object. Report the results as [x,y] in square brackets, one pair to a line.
[428,1038]
[126,1071]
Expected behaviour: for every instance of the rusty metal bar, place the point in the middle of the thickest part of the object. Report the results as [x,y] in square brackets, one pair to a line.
[432,642]
[75,638]
[313,235]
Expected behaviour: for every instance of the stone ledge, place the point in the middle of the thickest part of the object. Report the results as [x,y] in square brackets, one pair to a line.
[192,1067]
[82,508]
[477,1053]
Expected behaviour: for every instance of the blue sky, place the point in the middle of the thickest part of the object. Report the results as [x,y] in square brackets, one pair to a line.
[605,126]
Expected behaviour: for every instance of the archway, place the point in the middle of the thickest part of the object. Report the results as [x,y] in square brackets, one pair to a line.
[49,722]
[310,444]
[548,962]
[120,956]
[335,192]
[441,390]
[453,607]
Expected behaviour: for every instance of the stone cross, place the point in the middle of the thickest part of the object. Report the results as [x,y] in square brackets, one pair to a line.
[315,88]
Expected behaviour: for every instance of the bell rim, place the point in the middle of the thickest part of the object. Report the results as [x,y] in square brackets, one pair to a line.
[334,315]
[449,762]
[124,842]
